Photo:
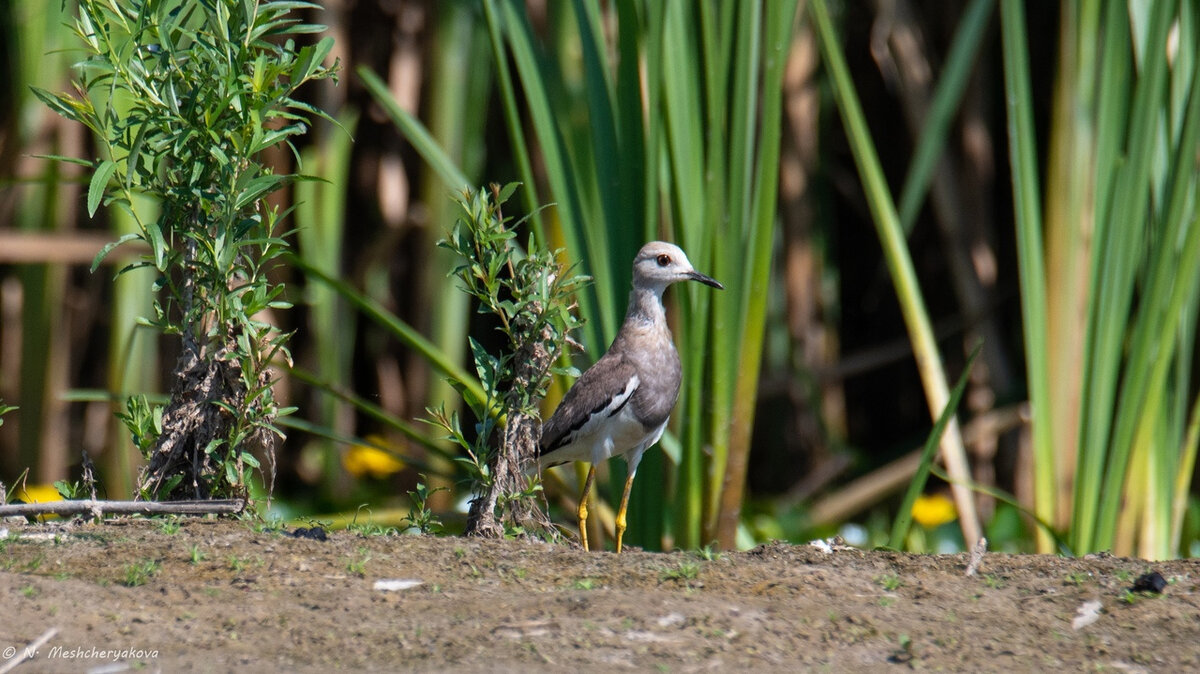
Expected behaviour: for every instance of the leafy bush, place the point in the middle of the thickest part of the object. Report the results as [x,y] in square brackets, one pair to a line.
[530,294]
[182,98]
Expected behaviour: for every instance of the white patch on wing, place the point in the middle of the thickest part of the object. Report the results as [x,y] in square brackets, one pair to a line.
[587,443]
[600,415]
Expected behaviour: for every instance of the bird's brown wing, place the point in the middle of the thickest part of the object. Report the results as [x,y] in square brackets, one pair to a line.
[600,393]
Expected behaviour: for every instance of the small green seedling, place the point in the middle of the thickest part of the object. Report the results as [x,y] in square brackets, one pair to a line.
[890,582]
[137,574]
[684,571]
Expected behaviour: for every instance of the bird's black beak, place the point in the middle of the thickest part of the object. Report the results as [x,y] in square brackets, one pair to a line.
[706,280]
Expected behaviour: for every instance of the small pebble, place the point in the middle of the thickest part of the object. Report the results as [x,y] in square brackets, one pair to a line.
[393,584]
[821,545]
[1086,614]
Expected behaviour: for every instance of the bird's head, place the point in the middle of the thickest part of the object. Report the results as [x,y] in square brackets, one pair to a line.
[659,264]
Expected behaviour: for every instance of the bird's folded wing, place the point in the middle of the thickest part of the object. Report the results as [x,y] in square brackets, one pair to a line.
[599,394]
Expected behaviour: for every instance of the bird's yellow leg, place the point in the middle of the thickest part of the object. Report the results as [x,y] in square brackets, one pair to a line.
[621,511]
[587,489]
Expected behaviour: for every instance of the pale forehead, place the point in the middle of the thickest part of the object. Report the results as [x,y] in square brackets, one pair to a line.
[656,248]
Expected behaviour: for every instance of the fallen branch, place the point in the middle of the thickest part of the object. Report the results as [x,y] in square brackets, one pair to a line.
[99,508]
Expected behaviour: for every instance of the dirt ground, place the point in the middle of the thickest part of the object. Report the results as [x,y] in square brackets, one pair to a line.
[226,595]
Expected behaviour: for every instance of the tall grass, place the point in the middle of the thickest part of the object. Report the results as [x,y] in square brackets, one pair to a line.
[1109,247]
[320,237]
[460,75]
[133,364]
[47,202]
[899,262]
[661,120]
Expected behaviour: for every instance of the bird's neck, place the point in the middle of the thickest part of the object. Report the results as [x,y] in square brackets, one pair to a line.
[645,305]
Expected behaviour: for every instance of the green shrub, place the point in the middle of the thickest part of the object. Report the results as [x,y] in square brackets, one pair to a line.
[530,295]
[182,98]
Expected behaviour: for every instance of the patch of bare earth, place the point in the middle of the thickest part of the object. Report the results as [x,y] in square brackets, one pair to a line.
[220,596]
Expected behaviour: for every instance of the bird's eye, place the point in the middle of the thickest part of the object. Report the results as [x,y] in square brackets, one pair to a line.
[664,260]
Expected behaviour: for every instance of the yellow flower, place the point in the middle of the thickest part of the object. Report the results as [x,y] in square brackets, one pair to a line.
[39,493]
[933,510]
[362,460]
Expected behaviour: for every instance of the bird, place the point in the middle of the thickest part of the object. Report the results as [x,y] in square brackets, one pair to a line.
[620,405]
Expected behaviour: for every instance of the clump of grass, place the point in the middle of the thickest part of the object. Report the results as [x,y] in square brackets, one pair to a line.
[369,528]
[709,553]
[890,582]
[586,583]
[138,573]
[1078,578]
[358,564]
[685,571]
[904,654]
[35,563]
[196,555]
[272,527]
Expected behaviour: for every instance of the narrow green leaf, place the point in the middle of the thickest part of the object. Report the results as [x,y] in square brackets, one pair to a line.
[257,187]
[99,184]
[414,131]
[1117,269]
[158,246]
[370,409]
[968,39]
[308,59]
[1030,255]
[512,118]
[108,248]
[61,103]
[69,160]
[472,389]
[572,179]
[928,454]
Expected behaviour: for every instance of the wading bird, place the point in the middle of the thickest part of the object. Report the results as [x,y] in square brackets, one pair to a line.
[620,405]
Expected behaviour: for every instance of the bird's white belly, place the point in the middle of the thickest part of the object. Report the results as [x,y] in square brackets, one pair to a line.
[622,434]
